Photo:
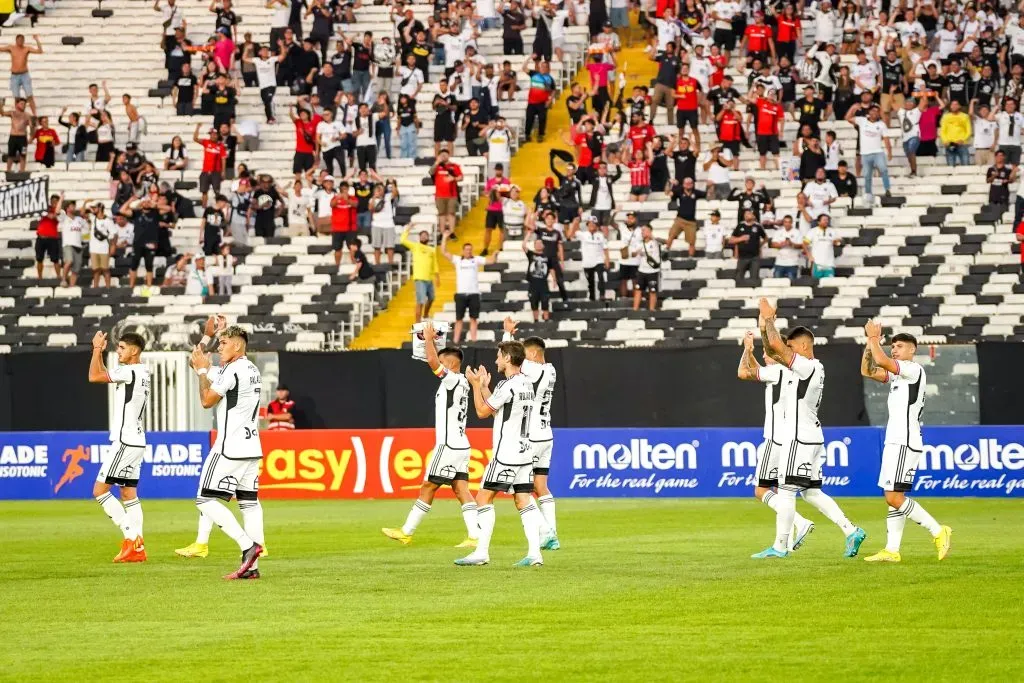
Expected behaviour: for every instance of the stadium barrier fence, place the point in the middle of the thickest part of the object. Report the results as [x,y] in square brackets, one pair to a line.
[627,462]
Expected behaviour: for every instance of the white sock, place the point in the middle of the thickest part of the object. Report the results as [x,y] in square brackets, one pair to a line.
[222,517]
[918,514]
[469,514]
[830,508]
[416,514]
[784,514]
[133,511]
[546,504]
[252,519]
[485,518]
[894,523]
[112,506]
[771,499]
[532,520]
[203,532]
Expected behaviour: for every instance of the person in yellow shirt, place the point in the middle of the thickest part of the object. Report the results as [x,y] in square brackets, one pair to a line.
[955,131]
[425,273]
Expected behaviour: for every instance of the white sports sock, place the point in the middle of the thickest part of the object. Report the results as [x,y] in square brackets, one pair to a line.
[485,518]
[252,519]
[894,523]
[532,520]
[416,514]
[203,532]
[918,514]
[112,506]
[784,514]
[133,510]
[546,504]
[222,517]
[830,508]
[469,514]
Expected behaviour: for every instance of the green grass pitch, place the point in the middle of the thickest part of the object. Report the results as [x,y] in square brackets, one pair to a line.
[642,590]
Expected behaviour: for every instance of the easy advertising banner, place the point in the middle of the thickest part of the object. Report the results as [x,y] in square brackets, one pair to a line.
[42,465]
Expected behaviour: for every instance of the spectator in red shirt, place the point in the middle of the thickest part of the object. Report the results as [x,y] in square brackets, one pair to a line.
[689,95]
[1018,233]
[343,224]
[281,411]
[730,131]
[640,133]
[46,142]
[305,141]
[214,154]
[640,175]
[48,238]
[788,32]
[770,116]
[446,177]
[758,42]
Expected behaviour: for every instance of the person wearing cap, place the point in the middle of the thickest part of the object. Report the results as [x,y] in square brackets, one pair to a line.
[281,411]
[320,211]
[714,233]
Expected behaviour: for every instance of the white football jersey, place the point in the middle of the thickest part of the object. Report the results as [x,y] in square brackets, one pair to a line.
[906,402]
[238,431]
[512,403]
[771,377]
[543,378]
[130,397]
[803,386]
[451,404]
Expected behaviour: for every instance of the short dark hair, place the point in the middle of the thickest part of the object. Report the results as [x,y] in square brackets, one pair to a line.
[514,350]
[451,351]
[133,339]
[237,332]
[534,342]
[799,331]
[904,337]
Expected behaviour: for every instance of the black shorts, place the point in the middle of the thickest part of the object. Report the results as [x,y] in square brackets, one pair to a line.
[340,239]
[767,143]
[640,190]
[474,148]
[1012,153]
[733,147]
[824,93]
[467,302]
[686,116]
[763,56]
[567,215]
[540,297]
[302,162]
[647,282]
[48,247]
[494,219]
[627,272]
[142,255]
[444,133]
[210,181]
[16,146]
[725,38]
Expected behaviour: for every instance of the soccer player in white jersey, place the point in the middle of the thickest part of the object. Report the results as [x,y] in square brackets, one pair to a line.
[511,467]
[233,466]
[903,445]
[449,465]
[802,453]
[543,377]
[771,374]
[128,439]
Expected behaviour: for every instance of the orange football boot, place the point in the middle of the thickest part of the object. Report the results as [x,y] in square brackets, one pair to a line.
[137,551]
[126,548]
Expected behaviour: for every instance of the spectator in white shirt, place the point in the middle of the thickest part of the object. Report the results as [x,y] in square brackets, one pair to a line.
[984,136]
[594,250]
[910,129]
[410,78]
[788,243]
[821,243]
[102,235]
[872,131]
[71,226]
[1008,134]
[299,199]
[821,194]
[714,233]
[467,285]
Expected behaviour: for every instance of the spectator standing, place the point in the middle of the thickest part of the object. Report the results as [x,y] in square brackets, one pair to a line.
[197,282]
[955,131]
[685,197]
[214,155]
[305,141]
[467,286]
[513,215]
[821,242]
[48,238]
[537,279]
[496,188]
[649,270]
[931,110]
[984,135]
[539,97]
[872,131]
[499,146]
[213,226]
[748,238]
[446,177]
[17,141]
[425,273]
[549,232]
[21,80]
[72,226]
[365,132]
[596,262]
[145,218]
[183,92]
[78,136]
[714,235]
[1008,136]
[602,197]
[240,215]
[821,194]
[383,205]
[845,182]
[910,131]
[629,261]
[999,178]
[102,238]
[281,411]
[788,243]
[266,79]
[329,137]
[264,206]
[669,67]
[344,231]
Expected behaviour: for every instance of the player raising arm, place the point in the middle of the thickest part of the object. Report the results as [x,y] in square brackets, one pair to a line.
[511,467]
[903,445]
[128,439]
[233,466]
[771,375]
[802,453]
[449,466]
[543,377]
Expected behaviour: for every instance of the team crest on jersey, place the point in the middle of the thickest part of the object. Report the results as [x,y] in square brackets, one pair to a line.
[448,472]
[803,471]
[506,476]
[228,484]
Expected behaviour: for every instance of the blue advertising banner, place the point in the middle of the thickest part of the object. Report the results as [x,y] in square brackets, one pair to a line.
[957,461]
[42,465]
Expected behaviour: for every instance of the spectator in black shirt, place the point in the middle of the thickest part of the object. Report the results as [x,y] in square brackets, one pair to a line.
[225,98]
[721,94]
[748,238]
[811,159]
[328,86]
[421,50]
[264,205]
[145,216]
[554,249]
[537,278]
[892,84]
[844,181]
[808,111]
[958,83]
[323,25]
[362,54]
[683,158]
[685,198]
[363,269]
[226,18]
[474,121]
[512,30]
[749,199]
[213,223]
[983,89]
[183,92]
[934,81]
[407,28]
[669,65]
[999,178]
